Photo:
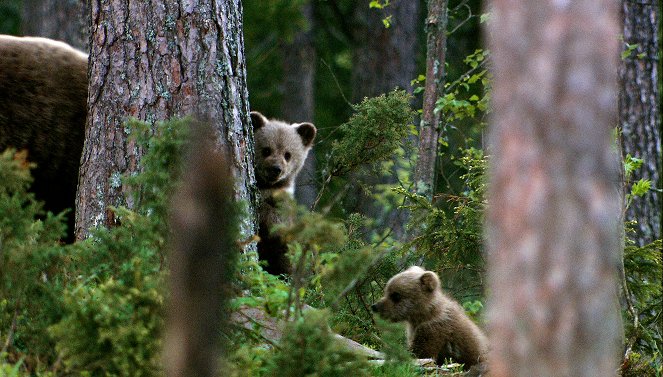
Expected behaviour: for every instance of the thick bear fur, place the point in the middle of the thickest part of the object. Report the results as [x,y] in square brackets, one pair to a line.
[43,105]
[437,326]
[281,149]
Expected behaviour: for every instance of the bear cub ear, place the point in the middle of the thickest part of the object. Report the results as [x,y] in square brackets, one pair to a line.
[257,120]
[429,281]
[307,132]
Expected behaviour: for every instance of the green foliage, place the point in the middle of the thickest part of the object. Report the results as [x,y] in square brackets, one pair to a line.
[99,302]
[467,98]
[452,237]
[378,4]
[643,274]
[113,309]
[308,348]
[113,328]
[30,255]
[394,342]
[9,370]
[644,321]
[629,49]
[373,133]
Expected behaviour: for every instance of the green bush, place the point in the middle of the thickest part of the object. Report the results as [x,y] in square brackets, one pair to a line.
[31,265]
[308,348]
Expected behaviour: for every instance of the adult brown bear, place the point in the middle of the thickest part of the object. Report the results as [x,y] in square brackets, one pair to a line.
[43,105]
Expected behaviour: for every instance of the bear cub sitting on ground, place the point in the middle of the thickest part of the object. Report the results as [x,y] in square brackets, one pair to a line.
[281,149]
[437,326]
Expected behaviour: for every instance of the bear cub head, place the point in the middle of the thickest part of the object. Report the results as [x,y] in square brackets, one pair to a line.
[281,149]
[408,295]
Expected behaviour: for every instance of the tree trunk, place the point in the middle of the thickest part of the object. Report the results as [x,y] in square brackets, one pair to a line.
[153,61]
[299,61]
[384,58]
[63,20]
[429,132]
[552,219]
[639,113]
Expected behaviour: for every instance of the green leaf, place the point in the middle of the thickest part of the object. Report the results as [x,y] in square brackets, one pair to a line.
[629,50]
[640,187]
[386,22]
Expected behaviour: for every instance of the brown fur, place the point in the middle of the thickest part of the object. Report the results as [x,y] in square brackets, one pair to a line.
[437,325]
[281,149]
[43,105]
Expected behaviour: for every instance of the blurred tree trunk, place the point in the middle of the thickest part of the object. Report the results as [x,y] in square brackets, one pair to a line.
[153,62]
[639,113]
[552,219]
[299,61]
[202,261]
[436,44]
[64,20]
[383,59]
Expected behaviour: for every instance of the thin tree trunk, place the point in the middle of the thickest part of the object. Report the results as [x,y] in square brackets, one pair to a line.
[639,113]
[63,20]
[552,219]
[429,132]
[299,62]
[153,61]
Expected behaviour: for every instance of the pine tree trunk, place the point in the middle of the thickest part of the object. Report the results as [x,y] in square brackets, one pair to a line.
[63,20]
[153,61]
[552,219]
[436,44]
[299,62]
[639,113]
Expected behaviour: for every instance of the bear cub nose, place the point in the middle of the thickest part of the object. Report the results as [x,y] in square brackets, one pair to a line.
[273,172]
[374,307]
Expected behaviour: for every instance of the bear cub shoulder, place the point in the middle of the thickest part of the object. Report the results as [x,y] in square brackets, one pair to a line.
[281,149]
[437,326]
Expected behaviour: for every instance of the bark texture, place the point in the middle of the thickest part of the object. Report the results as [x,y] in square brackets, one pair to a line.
[63,20]
[153,60]
[552,219]
[299,61]
[429,132]
[640,113]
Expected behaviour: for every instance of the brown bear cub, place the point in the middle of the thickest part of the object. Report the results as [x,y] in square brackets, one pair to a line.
[437,326]
[43,105]
[281,149]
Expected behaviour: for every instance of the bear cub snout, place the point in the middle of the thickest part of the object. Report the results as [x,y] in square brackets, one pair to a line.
[437,326]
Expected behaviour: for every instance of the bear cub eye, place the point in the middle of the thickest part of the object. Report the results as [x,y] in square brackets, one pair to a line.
[287,156]
[266,152]
[395,297]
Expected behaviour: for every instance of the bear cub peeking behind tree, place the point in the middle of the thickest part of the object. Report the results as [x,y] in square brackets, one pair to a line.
[437,326]
[281,149]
